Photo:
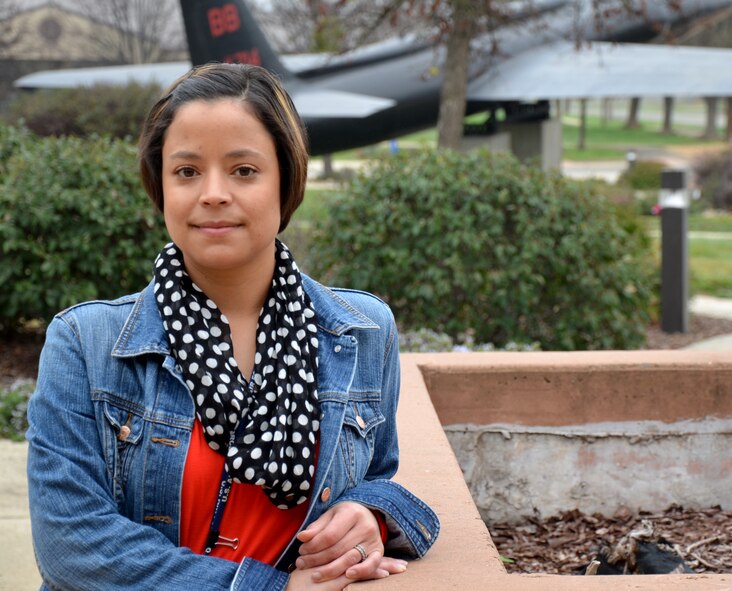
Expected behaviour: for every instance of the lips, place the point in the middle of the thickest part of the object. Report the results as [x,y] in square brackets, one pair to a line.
[217,227]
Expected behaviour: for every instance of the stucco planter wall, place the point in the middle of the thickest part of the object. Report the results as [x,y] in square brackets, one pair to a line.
[543,433]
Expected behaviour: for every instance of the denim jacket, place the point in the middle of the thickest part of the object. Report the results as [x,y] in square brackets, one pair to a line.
[106,513]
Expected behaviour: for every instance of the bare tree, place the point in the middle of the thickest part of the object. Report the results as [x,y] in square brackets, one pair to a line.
[668,113]
[632,122]
[710,129]
[10,32]
[456,22]
[136,30]
[455,85]
[302,26]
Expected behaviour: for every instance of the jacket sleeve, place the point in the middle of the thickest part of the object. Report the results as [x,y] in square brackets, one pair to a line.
[413,526]
[81,540]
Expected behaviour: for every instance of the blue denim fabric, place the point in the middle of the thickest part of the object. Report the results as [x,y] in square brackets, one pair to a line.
[106,513]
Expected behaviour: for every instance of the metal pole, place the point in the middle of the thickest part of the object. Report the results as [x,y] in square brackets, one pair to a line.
[674,252]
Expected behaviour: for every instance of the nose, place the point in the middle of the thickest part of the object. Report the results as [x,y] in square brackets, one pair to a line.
[215,190]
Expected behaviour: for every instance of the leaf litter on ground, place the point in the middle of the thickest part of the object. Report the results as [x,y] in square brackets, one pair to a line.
[567,543]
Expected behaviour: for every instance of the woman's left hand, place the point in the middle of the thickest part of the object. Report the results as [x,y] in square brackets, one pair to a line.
[329,545]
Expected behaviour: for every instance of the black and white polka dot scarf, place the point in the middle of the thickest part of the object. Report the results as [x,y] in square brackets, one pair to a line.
[265,427]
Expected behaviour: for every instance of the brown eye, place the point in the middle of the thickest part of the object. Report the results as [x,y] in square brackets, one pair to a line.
[186,172]
[244,171]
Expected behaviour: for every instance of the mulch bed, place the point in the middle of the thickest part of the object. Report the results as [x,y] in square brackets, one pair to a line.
[700,329]
[566,544]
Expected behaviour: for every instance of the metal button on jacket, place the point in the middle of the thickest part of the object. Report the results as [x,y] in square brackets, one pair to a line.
[360,421]
[337,348]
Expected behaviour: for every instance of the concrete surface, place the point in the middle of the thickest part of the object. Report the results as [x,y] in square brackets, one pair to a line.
[515,472]
[716,308]
[17,566]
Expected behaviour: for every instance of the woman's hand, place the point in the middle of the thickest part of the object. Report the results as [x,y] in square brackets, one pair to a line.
[329,546]
[305,580]
[302,580]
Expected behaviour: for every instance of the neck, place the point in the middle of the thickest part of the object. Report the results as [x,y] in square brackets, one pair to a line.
[237,292]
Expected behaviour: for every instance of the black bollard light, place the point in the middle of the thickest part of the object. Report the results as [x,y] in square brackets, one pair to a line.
[674,203]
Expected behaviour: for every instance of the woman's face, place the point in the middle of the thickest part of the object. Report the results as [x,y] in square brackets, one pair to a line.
[221,188]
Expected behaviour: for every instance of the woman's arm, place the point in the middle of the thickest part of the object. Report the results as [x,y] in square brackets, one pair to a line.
[412,525]
[80,538]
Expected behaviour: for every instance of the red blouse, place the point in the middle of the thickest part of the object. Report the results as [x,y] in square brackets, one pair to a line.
[263,531]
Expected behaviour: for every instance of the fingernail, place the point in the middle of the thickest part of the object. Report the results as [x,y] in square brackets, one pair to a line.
[300,563]
[382,573]
[351,574]
[316,577]
[401,567]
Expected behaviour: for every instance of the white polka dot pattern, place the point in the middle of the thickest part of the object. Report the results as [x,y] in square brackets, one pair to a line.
[265,427]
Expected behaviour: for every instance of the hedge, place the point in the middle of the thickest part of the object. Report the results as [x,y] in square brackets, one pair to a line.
[75,224]
[478,244]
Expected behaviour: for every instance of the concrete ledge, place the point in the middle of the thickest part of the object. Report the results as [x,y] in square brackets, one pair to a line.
[464,554]
[517,387]
[579,387]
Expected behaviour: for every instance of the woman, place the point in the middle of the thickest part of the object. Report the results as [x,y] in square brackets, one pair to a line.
[232,426]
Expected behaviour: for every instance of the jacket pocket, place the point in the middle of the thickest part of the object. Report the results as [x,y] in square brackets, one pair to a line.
[357,438]
[124,431]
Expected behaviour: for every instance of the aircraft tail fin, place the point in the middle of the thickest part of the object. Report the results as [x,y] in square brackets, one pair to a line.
[226,31]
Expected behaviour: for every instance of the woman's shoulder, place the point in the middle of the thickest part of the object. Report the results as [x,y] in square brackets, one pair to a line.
[361,304]
[101,316]
[98,309]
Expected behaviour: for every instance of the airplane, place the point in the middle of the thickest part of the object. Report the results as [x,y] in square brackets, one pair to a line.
[390,89]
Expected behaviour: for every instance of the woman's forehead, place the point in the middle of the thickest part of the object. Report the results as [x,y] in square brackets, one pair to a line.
[225,120]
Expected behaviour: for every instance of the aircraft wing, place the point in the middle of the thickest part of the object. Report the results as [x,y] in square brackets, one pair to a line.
[311,102]
[561,71]
[163,74]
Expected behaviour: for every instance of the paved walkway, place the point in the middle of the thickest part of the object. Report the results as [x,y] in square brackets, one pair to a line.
[17,567]
[716,308]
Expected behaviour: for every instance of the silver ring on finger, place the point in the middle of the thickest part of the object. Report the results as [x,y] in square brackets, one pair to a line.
[361,551]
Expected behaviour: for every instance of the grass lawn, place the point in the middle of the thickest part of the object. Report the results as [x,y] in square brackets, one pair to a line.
[611,141]
[710,267]
[710,259]
[606,140]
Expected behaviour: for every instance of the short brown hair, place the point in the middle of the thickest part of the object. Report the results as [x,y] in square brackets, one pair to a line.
[263,93]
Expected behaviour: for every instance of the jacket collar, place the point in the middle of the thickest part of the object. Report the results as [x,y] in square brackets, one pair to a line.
[333,313]
[143,330]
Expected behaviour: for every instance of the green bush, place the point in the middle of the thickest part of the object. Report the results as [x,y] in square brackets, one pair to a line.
[12,140]
[75,224]
[102,110]
[645,175]
[480,244]
[13,411]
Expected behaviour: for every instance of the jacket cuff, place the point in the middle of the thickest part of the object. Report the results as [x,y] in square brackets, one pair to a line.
[253,575]
[413,526]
